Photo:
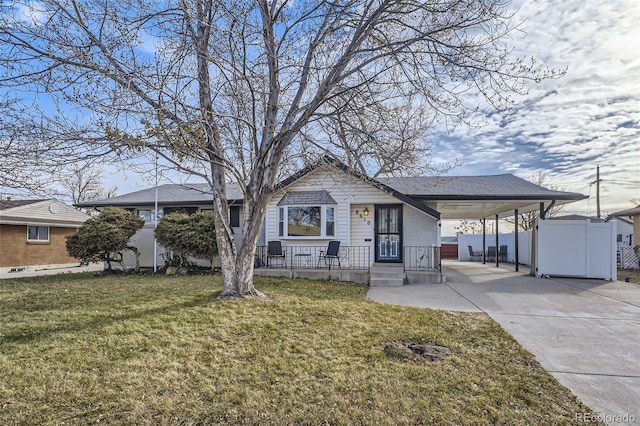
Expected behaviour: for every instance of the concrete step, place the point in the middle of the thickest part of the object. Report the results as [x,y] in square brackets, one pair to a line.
[386,282]
[426,278]
[388,265]
[387,274]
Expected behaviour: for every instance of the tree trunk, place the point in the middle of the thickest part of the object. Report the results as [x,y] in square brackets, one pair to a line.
[237,265]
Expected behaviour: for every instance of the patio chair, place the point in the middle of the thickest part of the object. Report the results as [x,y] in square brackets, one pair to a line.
[274,250]
[502,254]
[475,254]
[491,253]
[330,255]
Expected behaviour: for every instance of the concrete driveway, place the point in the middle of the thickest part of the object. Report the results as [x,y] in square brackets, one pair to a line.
[586,333]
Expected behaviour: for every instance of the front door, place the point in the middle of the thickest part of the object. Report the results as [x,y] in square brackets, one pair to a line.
[388,233]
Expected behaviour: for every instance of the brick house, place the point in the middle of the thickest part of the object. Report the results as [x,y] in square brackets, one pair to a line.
[33,234]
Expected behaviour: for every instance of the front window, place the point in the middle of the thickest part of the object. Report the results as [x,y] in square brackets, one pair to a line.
[149,216]
[306,221]
[37,233]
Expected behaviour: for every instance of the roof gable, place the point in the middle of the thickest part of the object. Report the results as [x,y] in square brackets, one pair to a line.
[334,164]
[9,204]
[51,212]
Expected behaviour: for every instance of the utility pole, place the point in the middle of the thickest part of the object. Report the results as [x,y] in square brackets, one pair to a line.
[598,190]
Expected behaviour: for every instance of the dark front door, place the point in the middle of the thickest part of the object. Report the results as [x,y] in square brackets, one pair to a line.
[389,233]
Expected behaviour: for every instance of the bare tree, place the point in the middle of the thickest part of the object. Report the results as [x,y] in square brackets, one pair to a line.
[226,90]
[84,182]
[527,221]
[383,138]
[468,227]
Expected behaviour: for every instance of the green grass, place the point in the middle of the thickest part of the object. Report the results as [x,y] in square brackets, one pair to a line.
[76,349]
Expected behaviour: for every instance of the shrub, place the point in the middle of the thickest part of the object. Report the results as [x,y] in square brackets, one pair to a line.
[188,236]
[99,238]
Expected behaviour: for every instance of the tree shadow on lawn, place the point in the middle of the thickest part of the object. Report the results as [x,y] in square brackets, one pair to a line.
[25,336]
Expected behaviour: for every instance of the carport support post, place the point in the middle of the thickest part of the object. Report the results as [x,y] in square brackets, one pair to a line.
[484,241]
[497,246]
[516,238]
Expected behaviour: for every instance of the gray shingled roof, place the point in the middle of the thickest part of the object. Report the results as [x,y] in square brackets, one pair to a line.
[168,195]
[505,186]
[306,198]
[9,204]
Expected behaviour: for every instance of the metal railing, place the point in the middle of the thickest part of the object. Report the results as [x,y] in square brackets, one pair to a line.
[422,258]
[315,257]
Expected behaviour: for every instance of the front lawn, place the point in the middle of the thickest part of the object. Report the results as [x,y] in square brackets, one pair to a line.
[76,349]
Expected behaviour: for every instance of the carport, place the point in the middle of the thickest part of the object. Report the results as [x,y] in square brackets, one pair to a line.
[483,198]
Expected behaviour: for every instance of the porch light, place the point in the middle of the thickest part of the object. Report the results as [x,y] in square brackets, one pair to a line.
[365,212]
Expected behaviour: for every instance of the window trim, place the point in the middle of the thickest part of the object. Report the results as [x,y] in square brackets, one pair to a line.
[282,222]
[37,240]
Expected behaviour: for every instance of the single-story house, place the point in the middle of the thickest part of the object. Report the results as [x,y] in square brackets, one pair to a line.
[385,227]
[625,231]
[634,215]
[33,234]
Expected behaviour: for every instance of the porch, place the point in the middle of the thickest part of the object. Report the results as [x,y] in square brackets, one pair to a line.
[418,265]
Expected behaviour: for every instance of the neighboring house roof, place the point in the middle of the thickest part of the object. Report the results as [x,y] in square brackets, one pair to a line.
[629,212]
[8,204]
[40,212]
[302,198]
[578,217]
[168,195]
[619,219]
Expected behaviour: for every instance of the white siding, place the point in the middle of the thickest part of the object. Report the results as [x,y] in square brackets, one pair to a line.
[345,190]
[352,194]
[43,213]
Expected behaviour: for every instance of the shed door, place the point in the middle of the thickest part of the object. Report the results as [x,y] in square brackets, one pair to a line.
[389,233]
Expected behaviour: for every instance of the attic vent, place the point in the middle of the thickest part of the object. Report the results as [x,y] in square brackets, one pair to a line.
[54,208]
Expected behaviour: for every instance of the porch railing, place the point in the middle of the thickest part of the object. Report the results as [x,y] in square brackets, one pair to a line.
[422,258]
[315,257]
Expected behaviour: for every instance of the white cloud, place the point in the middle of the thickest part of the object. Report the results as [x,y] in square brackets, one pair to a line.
[567,126]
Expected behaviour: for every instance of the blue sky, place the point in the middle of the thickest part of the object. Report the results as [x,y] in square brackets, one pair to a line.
[563,127]
[566,127]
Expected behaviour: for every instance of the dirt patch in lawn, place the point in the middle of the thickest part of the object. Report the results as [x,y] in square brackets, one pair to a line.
[406,350]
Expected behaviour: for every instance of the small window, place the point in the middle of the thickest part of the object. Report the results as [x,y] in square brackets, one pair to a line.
[619,238]
[234,216]
[37,233]
[330,225]
[281,223]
